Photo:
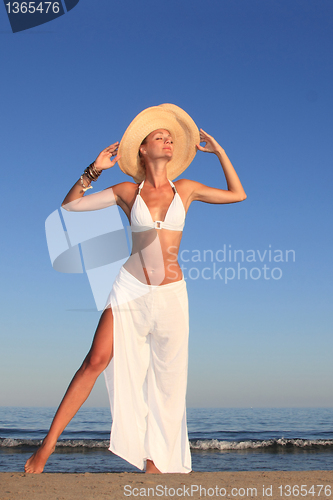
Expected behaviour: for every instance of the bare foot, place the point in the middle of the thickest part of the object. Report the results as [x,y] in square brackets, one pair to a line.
[36,463]
[151,468]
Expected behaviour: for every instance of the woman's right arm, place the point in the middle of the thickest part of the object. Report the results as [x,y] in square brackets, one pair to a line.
[75,200]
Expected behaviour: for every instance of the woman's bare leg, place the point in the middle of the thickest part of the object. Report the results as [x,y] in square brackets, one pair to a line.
[96,361]
[151,468]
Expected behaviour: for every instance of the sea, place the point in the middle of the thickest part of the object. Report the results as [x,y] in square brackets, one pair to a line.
[221,439]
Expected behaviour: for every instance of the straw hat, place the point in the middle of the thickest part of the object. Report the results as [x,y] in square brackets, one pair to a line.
[185,135]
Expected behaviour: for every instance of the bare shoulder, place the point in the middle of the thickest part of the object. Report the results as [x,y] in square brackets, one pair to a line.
[183,182]
[124,193]
[185,186]
[124,190]
[188,187]
[185,189]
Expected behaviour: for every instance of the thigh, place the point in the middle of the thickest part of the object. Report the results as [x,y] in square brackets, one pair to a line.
[167,375]
[171,323]
[102,345]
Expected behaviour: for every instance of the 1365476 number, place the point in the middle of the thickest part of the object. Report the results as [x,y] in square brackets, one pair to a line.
[32,7]
[303,490]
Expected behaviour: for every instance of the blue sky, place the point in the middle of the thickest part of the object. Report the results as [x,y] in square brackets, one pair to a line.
[256,75]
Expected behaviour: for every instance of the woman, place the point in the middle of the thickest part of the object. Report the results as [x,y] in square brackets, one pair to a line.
[141,338]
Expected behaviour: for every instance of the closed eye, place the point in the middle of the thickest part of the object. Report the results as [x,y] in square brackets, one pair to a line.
[161,139]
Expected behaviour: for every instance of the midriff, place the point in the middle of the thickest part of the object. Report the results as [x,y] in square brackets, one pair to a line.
[154,257]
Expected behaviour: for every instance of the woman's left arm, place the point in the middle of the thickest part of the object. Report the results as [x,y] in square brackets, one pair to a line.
[235,191]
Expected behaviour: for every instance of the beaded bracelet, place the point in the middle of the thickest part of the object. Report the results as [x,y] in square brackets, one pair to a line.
[84,187]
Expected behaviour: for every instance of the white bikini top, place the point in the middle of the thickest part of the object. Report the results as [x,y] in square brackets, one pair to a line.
[141,219]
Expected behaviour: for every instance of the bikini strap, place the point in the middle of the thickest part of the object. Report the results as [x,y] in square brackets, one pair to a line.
[141,186]
[173,186]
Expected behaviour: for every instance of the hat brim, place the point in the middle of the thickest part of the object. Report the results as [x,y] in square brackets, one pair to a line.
[184,132]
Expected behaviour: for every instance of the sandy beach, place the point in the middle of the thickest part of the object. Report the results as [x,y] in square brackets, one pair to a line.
[273,485]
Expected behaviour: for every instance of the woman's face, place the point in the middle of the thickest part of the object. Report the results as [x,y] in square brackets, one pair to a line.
[158,144]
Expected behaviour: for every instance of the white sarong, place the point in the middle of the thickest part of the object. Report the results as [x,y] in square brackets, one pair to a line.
[147,376]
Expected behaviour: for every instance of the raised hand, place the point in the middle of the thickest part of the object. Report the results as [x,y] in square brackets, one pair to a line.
[211,145]
[103,160]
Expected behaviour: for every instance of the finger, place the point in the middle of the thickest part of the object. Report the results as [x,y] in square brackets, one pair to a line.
[112,146]
[115,160]
[110,152]
[205,136]
[112,162]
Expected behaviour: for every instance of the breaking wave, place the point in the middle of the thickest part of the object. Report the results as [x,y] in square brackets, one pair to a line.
[199,445]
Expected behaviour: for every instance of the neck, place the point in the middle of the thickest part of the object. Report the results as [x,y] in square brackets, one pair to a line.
[156,173]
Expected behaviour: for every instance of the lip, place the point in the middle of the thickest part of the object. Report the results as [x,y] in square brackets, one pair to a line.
[168,149]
